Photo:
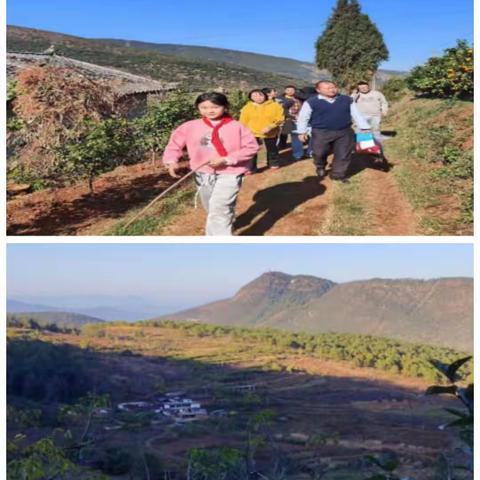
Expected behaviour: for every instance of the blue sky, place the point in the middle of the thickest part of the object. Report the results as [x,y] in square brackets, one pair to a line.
[190,274]
[413,30]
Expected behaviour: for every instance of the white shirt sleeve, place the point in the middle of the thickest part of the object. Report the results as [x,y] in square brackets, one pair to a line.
[358,118]
[304,118]
[383,104]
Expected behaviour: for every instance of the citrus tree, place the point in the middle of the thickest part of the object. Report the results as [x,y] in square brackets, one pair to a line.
[103,146]
[448,76]
[155,127]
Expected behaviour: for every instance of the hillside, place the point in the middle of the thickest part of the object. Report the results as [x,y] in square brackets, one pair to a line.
[434,161]
[61,319]
[189,64]
[15,306]
[192,74]
[266,63]
[437,312]
[102,312]
[302,399]
[306,71]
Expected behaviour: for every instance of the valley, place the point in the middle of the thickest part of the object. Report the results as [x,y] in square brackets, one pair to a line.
[285,408]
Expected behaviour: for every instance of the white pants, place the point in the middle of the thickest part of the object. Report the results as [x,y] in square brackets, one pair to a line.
[218,194]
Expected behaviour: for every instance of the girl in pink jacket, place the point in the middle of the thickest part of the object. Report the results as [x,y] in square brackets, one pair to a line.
[220,149]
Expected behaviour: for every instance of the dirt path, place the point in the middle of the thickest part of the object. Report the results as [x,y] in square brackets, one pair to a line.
[288,201]
[291,201]
[391,213]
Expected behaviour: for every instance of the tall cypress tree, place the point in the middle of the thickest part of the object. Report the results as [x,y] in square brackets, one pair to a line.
[351,47]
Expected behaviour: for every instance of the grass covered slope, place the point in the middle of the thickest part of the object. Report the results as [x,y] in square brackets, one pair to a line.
[432,155]
[305,71]
[191,74]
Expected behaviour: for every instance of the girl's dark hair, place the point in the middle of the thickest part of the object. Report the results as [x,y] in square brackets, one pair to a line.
[258,91]
[267,90]
[216,98]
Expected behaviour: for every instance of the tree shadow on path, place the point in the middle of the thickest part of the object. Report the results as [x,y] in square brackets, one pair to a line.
[276,202]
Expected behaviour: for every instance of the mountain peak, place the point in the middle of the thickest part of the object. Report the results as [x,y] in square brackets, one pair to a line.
[275,286]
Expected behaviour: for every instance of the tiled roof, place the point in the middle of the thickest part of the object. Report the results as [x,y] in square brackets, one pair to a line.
[125,83]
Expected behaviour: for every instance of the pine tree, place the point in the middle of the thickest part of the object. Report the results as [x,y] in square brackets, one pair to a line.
[351,46]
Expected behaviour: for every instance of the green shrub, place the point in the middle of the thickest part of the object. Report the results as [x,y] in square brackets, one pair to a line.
[103,146]
[156,126]
[238,100]
[467,205]
[448,76]
[11,90]
[38,461]
[216,463]
[394,88]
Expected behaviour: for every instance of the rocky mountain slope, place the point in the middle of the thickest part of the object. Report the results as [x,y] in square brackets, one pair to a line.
[437,312]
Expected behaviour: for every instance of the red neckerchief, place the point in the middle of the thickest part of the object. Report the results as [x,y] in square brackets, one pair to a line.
[216,142]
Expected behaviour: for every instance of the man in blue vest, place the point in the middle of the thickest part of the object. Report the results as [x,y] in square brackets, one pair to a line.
[330,115]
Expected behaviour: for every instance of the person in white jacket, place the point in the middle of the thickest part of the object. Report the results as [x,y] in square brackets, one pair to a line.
[372,105]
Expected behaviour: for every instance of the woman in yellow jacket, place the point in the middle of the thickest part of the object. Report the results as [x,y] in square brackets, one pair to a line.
[264,118]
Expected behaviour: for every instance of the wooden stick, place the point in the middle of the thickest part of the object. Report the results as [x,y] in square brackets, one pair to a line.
[171,187]
[161,195]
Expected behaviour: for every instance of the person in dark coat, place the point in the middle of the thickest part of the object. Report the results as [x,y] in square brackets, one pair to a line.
[330,115]
[286,100]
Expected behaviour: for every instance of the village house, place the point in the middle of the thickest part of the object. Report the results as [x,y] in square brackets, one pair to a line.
[133,93]
[177,408]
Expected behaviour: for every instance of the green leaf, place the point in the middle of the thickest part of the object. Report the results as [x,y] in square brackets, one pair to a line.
[466,396]
[461,422]
[453,367]
[439,390]
[387,461]
[456,412]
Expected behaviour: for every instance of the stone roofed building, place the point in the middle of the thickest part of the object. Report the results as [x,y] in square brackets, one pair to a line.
[133,93]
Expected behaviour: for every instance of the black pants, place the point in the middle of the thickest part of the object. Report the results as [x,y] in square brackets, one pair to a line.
[272,153]
[282,141]
[341,141]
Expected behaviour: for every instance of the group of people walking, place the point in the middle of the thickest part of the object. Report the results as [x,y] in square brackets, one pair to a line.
[223,150]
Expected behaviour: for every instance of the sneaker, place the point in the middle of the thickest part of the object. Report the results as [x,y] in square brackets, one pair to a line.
[276,167]
[321,173]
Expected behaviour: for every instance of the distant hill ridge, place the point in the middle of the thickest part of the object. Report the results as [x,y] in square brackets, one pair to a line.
[437,312]
[304,70]
[193,65]
[61,319]
[192,74]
